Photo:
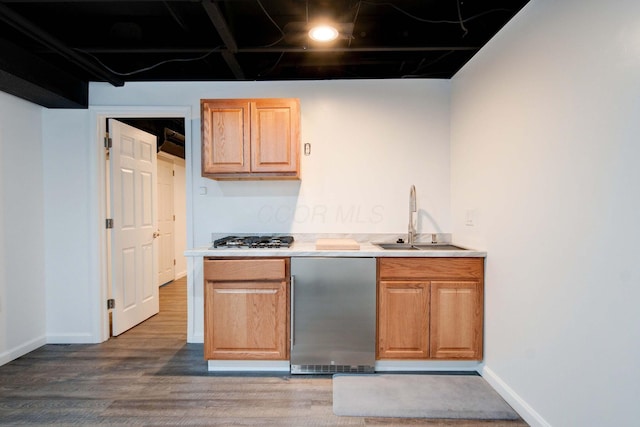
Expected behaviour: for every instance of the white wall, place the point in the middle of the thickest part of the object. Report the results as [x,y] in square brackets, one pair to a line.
[71,218]
[545,127]
[22,284]
[370,140]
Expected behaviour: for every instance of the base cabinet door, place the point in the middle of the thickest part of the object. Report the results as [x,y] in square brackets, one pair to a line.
[244,320]
[456,320]
[246,309]
[403,320]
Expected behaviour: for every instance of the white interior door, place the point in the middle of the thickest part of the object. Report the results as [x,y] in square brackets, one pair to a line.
[166,217]
[134,261]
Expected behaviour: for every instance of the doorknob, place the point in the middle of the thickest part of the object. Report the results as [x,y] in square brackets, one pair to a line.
[156,234]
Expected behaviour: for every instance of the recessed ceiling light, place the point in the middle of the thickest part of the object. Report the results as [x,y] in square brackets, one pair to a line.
[323,33]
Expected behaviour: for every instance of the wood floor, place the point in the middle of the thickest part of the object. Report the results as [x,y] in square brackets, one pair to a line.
[150,376]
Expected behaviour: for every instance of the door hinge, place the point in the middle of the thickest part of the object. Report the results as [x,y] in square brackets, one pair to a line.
[111,303]
[174,262]
[174,217]
[109,223]
[108,142]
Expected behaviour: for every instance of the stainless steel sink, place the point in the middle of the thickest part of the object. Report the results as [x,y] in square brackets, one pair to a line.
[419,246]
[397,246]
[438,247]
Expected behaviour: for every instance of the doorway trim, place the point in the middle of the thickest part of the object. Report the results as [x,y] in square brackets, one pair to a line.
[98,116]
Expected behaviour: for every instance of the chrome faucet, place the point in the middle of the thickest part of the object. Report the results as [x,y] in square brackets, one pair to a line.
[412,209]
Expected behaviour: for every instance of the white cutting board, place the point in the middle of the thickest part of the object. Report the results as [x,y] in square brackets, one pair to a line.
[337,244]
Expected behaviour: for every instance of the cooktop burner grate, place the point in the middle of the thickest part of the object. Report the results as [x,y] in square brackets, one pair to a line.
[254,242]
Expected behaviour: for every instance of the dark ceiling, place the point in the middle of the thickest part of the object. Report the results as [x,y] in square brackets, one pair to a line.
[52,49]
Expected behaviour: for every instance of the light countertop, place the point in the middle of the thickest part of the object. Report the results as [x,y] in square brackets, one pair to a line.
[308,249]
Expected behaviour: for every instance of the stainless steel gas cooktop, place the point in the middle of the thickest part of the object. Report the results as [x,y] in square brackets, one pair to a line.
[254,242]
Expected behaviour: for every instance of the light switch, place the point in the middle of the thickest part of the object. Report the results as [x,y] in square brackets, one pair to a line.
[203,191]
[470,218]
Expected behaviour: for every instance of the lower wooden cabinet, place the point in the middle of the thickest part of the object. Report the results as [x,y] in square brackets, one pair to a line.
[430,308]
[246,309]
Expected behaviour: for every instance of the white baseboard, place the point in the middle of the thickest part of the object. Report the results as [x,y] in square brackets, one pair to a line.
[21,350]
[83,338]
[249,366]
[426,365]
[195,338]
[527,413]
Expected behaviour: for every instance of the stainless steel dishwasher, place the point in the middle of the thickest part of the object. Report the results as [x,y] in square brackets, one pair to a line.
[333,315]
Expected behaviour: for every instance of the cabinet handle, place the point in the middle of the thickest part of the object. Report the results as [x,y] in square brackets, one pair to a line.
[292,311]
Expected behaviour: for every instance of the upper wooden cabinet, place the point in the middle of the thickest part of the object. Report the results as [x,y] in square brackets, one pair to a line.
[250,138]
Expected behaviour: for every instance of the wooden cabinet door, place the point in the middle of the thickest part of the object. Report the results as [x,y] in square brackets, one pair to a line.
[456,320]
[225,136]
[275,135]
[403,320]
[246,320]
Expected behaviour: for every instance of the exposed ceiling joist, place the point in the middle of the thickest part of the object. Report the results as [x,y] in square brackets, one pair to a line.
[27,28]
[220,23]
[284,49]
[99,1]
[29,77]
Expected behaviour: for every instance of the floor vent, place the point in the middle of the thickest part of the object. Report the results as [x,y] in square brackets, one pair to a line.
[331,369]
